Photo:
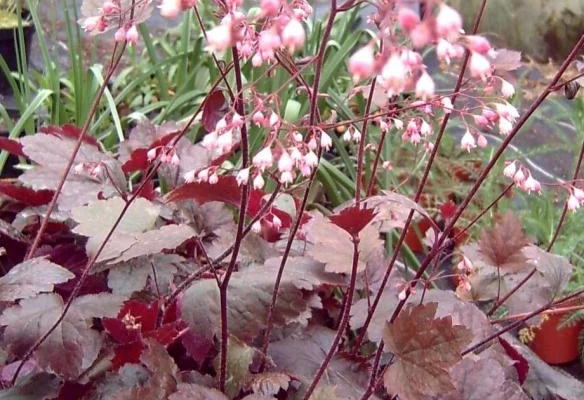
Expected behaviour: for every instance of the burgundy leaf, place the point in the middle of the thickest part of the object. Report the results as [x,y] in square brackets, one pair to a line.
[353,219]
[66,351]
[29,197]
[70,131]
[502,246]
[225,190]
[127,354]
[30,278]
[520,363]
[198,347]
[250,292]
[215,108]
[74,258]
[333,246]
[12,146]
[482,379]
[138,161]
[425,348]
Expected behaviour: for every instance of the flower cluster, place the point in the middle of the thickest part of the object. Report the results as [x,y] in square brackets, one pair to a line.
[281,28]
[122,15]
[522,177]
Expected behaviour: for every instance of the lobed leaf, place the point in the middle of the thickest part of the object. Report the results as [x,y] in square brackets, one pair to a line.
[425,348]
[31,277]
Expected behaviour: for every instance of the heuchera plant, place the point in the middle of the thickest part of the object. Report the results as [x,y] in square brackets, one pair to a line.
[179,270]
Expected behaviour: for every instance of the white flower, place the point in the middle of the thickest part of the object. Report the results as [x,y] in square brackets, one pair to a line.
[242,177]
[263,159]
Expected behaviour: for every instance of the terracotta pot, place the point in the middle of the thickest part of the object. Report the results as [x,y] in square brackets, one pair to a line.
[553,345]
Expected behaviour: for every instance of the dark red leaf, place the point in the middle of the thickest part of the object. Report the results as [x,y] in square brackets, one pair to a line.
[199,348]
[226,191]
[448,210]
[30,197]
[74,258]
[167,333]
[215,108]
[164,140]
[11,146]
[70,131]
[120,332]
[145,315]
[137,162]
[127,354]
[520,364]
[353,219]
[73,390]
[147,191]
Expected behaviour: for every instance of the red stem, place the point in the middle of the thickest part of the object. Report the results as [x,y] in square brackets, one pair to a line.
[342,325]
[239,106]
[312,120]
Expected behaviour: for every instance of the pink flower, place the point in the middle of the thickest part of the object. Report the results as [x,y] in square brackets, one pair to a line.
[190,176]
[293,35]
[277,222]
[270,8]
[219,38]
[120,35]
[421,35]
[263,159]
[237,120]
[213,179]
[407,18]
[311,159]
[510,169]
[268,42]
[286,178]
[573,203]
[132,35]
[482,141]
[325,140]
[394,74]
[425,87]
[578,193]
[285,162]
[507,89]
[109,8]
[362,63]
[258,118]
[445,51]
[210,140]
[479,66]
[425,129]
[152,154]
[242,177]
[256,227]
[505,126]
[478,44]
[448,21]
[258,182]
[531,185]
[170,8]
[447,105]
[519,177]
[468,141]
